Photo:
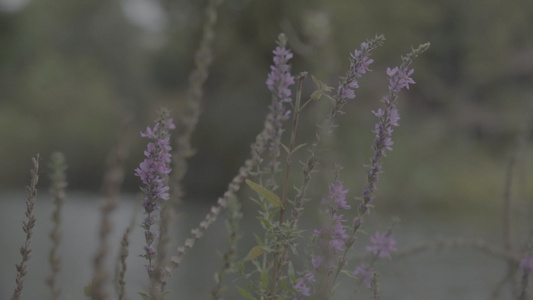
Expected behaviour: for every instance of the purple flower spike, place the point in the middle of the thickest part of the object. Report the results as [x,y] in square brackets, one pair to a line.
[359,65]
[331,238]
[338,195]
[153,172]
[400,78]
[280,79]
[279,83]
[388,118]
[382,245]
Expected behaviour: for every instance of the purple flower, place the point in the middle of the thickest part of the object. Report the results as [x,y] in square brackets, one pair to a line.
[382,244]
[400,78]
[388,117]
[348,92]
[360,60]
[317,261]
[279,81]
[302,287]
[359,65]
[365,273]
[331,238]
[153,172]
[338,195]
[526,263]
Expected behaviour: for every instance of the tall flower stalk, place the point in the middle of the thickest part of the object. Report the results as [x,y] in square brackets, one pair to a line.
[359,65]
[58,167]
[154,172]
[329,242]
[27,227]
[279,82]
[388,117]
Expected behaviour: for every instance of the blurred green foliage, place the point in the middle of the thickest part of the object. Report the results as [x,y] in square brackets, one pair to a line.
[70,71]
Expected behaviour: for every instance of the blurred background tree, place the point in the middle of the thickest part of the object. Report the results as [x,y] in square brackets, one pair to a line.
[70,71]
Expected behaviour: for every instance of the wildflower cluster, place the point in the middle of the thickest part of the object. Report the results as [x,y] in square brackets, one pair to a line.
[360,62]
[359,65]
[330,239]
[153,172]
[388,117]
[272,258]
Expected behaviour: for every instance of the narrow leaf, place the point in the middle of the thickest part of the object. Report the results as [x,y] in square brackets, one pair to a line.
[298,147]
[264,279]
[254,253]
[269,196]
[316,95]
[285,148]
[246,294]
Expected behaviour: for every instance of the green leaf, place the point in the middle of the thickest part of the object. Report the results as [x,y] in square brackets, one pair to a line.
[240,266]
[246,294]
[265,222]
[290,270]
[145,296]
[298,147]
[285,148]
[319,84]
[316,95]
[269,196]
[255,253]
[283,283]
[264,279]
[88,290]
[258,240]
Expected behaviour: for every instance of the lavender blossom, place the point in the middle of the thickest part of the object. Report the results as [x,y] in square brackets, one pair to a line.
[526,264]
[388,117]
[365,273]
[332,237]
[399,78]
[359,65]
[302,285]
[382,245]
[153,172]
[360,60]
[280,79]
[345,91]
[279,82]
